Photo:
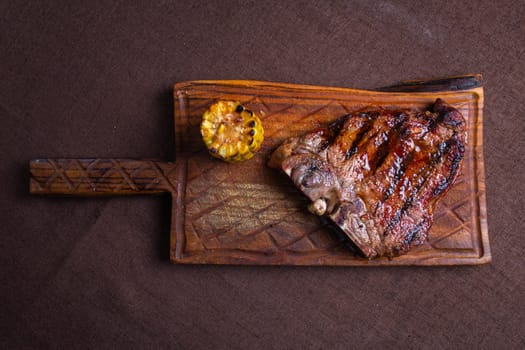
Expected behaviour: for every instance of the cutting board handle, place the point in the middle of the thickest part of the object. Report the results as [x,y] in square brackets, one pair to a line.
[98,176]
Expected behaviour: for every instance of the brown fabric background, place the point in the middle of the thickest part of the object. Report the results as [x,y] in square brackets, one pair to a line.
[94,78]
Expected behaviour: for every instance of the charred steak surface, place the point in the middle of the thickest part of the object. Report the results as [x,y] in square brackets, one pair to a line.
[378,174]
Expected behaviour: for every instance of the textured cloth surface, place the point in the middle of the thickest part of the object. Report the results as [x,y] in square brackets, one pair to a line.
[94,78]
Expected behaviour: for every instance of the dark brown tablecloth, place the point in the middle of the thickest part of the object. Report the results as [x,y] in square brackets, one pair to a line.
[94,78]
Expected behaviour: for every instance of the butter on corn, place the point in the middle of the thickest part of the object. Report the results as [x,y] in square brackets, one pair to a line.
[231,132]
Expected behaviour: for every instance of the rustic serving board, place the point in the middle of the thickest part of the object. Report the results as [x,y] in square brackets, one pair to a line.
[248,213]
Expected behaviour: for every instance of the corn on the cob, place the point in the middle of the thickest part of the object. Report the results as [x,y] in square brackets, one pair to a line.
[231,132]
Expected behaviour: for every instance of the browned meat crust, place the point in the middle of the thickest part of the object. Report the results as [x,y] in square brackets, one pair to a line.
[378,174]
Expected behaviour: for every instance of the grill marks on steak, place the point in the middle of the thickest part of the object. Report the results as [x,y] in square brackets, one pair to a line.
[378,174]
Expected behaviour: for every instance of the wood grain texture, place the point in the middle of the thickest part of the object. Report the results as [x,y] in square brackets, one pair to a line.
[250,214]
[247,213]
[92,177]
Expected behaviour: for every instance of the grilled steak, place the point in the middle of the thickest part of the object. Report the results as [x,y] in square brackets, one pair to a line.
[378,174]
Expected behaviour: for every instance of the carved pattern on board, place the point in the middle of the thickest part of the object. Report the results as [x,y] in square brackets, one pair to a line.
[100,176]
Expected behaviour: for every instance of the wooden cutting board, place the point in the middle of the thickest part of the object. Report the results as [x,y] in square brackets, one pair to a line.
[248,213]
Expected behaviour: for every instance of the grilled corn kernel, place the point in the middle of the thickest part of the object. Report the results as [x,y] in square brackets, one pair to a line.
[231,132]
